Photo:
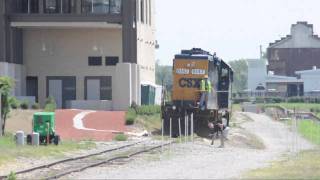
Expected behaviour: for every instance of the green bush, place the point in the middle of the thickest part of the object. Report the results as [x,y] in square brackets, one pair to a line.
[148,110]
[24,105]
[50,105]
[12,176]
[130,116]
[14,102]
[121,137]
[35,106]
[50,108]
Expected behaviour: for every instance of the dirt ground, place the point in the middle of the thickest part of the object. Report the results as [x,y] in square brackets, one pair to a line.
[199,160]
[20,120]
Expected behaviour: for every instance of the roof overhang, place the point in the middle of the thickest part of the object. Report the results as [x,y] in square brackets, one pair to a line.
[66,25]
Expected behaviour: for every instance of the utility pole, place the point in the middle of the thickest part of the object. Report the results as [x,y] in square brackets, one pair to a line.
[261,53]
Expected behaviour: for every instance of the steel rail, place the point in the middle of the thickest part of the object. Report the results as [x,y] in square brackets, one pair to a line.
[72,159]
[106,161]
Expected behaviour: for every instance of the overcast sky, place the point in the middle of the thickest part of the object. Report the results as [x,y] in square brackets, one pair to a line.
[233,28]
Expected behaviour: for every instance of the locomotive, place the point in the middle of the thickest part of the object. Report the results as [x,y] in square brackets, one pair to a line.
[183,114]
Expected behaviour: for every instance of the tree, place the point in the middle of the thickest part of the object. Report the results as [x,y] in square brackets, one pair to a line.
[6,85]
[240,75]
[164,76]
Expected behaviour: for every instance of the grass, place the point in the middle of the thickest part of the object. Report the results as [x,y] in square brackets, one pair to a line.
[150,122]
[304,165]
[310,130]
[9,152]
[121,137]
[299,106]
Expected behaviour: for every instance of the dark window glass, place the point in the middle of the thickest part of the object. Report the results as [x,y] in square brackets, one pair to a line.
[100,6]
[95,61]
[52,6]
[112,61]
[34,6]
[96,6]
[105,87]
[66,6]
[24,6]
[86,6]
[115,6]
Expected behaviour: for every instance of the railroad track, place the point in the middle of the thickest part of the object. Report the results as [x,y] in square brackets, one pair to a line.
[68,166]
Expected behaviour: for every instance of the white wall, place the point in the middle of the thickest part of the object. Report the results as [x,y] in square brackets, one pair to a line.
[257,73]
[64,52]
[311,82]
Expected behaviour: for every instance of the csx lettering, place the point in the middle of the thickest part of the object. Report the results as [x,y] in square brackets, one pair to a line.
[189,83]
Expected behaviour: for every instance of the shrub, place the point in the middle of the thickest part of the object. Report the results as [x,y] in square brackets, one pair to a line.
[121,137]
[50,108]
[35,106]
[12,176]
[130,116]
[14,102]
[50,104]
[148,110]
[24,105]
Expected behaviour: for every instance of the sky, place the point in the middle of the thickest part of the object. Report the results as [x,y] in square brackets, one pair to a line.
[234,29]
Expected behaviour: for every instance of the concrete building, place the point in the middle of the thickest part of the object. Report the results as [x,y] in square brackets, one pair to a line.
[85,53]
[257,72]
[311,79]
[298,51]
[283,86]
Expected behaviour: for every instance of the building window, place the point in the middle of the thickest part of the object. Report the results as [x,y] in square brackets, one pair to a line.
[67,6]
[95,61]
[112,61]
[52,6]
[98,88]
[29,6]
[101,6]
[115,6]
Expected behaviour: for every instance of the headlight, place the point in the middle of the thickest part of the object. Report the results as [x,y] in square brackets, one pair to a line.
[174,107]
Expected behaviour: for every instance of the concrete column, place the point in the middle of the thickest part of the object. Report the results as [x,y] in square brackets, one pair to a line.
[129,31]
[42,88]
[3,34]
[122,87]
[134,80]
[78,6]
[80,88]
[41,6]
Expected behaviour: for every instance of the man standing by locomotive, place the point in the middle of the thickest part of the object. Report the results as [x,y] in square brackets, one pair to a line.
[205,88]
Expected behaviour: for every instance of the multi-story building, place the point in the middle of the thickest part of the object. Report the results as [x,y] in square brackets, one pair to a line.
[81,52]
[298,51]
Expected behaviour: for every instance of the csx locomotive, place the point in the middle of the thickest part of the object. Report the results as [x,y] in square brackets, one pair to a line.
[190,67]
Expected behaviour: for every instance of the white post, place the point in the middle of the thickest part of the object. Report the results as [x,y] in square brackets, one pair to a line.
[170,133]
[192,127]
[162,133]
[185,128]
[180,130]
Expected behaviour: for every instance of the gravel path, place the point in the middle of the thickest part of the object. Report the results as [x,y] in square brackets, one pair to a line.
[202,161]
